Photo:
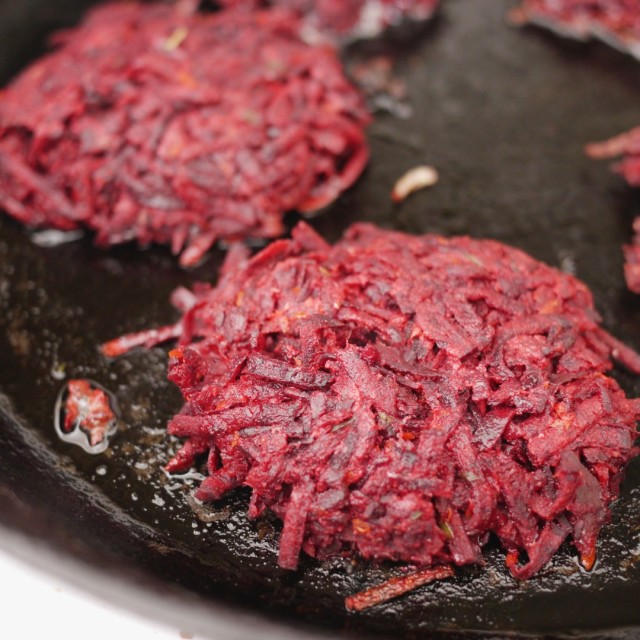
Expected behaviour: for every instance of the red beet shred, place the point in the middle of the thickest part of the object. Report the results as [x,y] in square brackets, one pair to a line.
[402,397]
[146,124]
[88,408]
[396,587]
[628,146]
[616,22]
[353,18]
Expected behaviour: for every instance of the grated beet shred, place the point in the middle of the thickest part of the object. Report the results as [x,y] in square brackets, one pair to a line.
[146,125]
[402,397]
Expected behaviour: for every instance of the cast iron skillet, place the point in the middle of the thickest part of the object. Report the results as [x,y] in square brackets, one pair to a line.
[504,115]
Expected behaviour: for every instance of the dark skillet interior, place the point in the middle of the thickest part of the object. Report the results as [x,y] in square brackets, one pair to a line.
[504,115]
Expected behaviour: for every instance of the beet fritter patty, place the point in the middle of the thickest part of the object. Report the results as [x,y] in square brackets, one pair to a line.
[153,124]
[402,397]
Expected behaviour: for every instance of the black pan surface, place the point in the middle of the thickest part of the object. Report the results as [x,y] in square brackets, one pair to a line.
[503,114]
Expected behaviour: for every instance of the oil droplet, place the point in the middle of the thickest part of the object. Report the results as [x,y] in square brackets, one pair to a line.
[53,238]
[86,414]
[158,501]
[58,371]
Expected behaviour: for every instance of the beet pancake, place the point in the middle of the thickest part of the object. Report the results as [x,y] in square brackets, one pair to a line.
[401,397]
[153,124]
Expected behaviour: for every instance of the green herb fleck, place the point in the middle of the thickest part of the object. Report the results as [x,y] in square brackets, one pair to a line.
[277,66]
[175,39]
[447,530]
[474,259]
[341,425]
[251,116]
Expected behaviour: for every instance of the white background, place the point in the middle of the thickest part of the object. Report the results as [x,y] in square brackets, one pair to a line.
[46,595]
[37,605]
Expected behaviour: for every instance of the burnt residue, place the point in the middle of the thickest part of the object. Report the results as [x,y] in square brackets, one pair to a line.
[503,115]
